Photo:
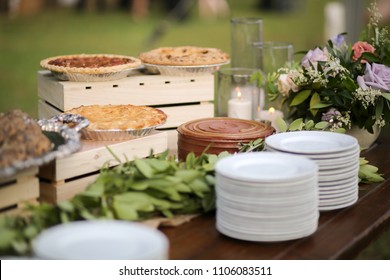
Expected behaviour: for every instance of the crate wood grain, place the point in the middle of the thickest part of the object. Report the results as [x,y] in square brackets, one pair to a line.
[53,192]
[137,89]
[94,154]
[16,190]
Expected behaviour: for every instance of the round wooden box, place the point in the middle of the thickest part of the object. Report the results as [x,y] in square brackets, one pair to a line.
[218,135]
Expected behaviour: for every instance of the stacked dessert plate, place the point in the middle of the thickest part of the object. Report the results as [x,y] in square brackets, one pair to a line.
[263,196]
[337,157]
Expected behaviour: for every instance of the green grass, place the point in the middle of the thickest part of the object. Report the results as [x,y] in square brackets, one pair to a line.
[25,41]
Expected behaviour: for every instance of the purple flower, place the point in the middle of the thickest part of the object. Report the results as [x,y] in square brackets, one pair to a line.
[314,56]
[376,76]
[330,115]
[339,42]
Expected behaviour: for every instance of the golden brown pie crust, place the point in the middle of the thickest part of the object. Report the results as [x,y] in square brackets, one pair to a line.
[184,56]
[90,63]
[120,117]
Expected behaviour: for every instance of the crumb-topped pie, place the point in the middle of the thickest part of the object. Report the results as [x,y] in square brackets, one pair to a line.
[184,56]
[90,67]
[116,122]
[183,61]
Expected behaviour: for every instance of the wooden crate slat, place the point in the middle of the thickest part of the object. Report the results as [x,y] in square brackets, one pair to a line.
[56,192]
[20,176]
[94,154]
[138,89]
[19,192]
[50,89]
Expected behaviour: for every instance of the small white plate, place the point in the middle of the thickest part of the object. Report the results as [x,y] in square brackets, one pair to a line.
[311,142]
[104,239]
[266,167]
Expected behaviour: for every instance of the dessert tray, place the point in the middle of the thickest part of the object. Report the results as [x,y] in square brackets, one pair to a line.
[91,67]
[65,141]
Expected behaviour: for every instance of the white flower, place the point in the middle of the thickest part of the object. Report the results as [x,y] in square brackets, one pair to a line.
[285,84]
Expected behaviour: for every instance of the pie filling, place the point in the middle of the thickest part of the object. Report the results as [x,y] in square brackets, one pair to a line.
[90,62]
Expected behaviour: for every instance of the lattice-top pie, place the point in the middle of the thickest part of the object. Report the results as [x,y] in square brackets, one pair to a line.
[120,117]
[184,56]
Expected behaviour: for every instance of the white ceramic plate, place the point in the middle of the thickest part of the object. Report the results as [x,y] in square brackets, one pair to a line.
[311,142]
[266,167]
[93,240]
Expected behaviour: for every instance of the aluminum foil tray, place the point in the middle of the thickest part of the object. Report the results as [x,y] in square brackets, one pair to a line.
[116,134]
[81,77]
[65,141]
[169,70]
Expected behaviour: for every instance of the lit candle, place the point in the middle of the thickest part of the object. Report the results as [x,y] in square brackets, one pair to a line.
[239,107]
[271,115]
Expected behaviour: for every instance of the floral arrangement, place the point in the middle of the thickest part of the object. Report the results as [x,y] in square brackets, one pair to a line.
[341,84]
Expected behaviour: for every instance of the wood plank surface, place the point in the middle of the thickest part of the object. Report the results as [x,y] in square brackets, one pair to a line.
[138,89]
[341,234]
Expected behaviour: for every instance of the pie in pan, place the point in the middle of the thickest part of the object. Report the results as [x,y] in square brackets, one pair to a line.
[118,122]
[184,56]
[90,67]
[184,61]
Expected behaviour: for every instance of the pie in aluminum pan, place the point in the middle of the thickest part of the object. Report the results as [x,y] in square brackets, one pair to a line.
[119,122]
[91,67]
[185,60]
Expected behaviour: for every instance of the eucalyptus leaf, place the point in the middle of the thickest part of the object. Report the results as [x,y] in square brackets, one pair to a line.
[296,125]
[315,99]
[281,124]
[300,97]
[321,125]
[144,168]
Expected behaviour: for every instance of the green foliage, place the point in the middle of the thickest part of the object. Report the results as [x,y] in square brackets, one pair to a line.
[134,190]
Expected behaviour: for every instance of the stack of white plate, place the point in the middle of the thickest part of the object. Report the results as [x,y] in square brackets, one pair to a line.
[266,196]
[101,240]
[337,156]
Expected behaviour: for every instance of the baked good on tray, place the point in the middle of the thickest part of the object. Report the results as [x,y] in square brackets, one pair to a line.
[90,67]
[118,122]
[184,56]
[21,138]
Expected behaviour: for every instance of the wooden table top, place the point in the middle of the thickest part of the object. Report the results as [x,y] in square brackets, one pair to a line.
[341,234]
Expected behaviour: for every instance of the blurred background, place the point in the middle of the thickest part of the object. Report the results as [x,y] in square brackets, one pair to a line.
[31,30]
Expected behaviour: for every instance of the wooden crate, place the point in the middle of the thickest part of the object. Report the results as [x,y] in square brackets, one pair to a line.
[64,178]
[17,190]
[182,98]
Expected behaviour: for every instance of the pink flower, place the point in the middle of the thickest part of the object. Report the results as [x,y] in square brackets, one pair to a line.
[361,47]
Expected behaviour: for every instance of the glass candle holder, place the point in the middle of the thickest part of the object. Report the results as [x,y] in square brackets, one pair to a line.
[271,56]
[243,33]
[235,95]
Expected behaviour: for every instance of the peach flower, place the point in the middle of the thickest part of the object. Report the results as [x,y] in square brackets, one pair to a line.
[361,47]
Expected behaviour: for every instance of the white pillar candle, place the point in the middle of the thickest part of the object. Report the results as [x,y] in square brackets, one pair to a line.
[271,115]
[240,108]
